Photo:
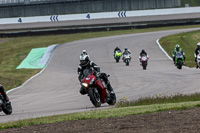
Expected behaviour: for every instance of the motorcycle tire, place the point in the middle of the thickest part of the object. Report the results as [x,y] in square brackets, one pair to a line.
[95,97]
[112,100]
[179,65]
[144,66]
[7,108]
[127,63]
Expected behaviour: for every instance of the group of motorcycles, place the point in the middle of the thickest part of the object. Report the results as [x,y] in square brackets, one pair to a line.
[127,59]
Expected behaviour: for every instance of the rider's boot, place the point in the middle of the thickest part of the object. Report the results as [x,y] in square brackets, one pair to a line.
[109,87]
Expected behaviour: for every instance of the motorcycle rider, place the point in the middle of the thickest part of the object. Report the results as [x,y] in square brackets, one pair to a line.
[85,63]
[117,49]
[176,50]
[3,93]
[143,53]
[197,51]
[126,51]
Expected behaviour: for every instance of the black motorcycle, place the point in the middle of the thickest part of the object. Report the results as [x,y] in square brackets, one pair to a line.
[6,107]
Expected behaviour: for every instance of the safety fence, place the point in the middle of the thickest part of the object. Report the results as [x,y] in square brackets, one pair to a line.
[46,7]
[36,1]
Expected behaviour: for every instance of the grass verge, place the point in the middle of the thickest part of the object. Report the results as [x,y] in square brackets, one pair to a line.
[100,114]
[158,99]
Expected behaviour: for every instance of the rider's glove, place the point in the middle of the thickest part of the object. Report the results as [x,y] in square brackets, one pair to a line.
[98,74]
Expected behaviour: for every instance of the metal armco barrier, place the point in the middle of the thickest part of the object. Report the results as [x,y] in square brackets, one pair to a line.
[95,28]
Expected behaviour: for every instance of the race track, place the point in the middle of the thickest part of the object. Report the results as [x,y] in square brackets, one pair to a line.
[56,89]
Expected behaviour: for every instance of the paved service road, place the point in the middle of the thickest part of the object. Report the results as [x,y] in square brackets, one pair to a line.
[56,89]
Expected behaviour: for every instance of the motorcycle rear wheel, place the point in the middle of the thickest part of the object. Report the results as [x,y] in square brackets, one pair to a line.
[95,97]
[112,100]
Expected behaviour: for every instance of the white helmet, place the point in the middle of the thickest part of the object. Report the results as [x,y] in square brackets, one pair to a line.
[84,52]
[198,44]
[84,59]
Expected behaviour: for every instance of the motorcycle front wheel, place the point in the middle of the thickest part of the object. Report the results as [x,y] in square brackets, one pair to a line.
[179,64]
[127,62]
[7,108]
[144,64]
[95,97]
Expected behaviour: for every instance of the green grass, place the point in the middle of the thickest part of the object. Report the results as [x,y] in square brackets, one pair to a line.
[158,99]
[187,42]
[14,50]
[100,114]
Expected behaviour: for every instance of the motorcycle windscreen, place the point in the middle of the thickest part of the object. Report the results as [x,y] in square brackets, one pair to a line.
[87,72]
[179,55]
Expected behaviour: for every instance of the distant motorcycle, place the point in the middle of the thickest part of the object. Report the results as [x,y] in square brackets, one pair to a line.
[179,59]
[6,107]
[117,55]
[198,60]
[127,59]
[96,89]
[144,61]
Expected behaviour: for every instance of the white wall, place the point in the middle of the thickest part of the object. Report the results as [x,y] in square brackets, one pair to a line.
[103,15]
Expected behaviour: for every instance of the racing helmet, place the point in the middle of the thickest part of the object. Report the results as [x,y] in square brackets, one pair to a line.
[125,49]
[143,51]
[84,60]
[84,52]
[198,44]
[177,47]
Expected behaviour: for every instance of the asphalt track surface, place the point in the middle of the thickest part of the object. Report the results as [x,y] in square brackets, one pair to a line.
[56,89]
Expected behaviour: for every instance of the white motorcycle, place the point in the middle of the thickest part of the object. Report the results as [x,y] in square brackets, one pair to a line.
[127,59]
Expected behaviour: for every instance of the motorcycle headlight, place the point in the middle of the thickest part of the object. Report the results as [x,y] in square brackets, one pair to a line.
[92,81]
[85,85]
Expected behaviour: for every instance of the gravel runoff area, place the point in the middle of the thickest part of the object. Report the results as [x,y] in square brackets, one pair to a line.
[173,121]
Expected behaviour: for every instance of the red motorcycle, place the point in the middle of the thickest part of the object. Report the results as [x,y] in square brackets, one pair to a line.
[144,62]
[96,89]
